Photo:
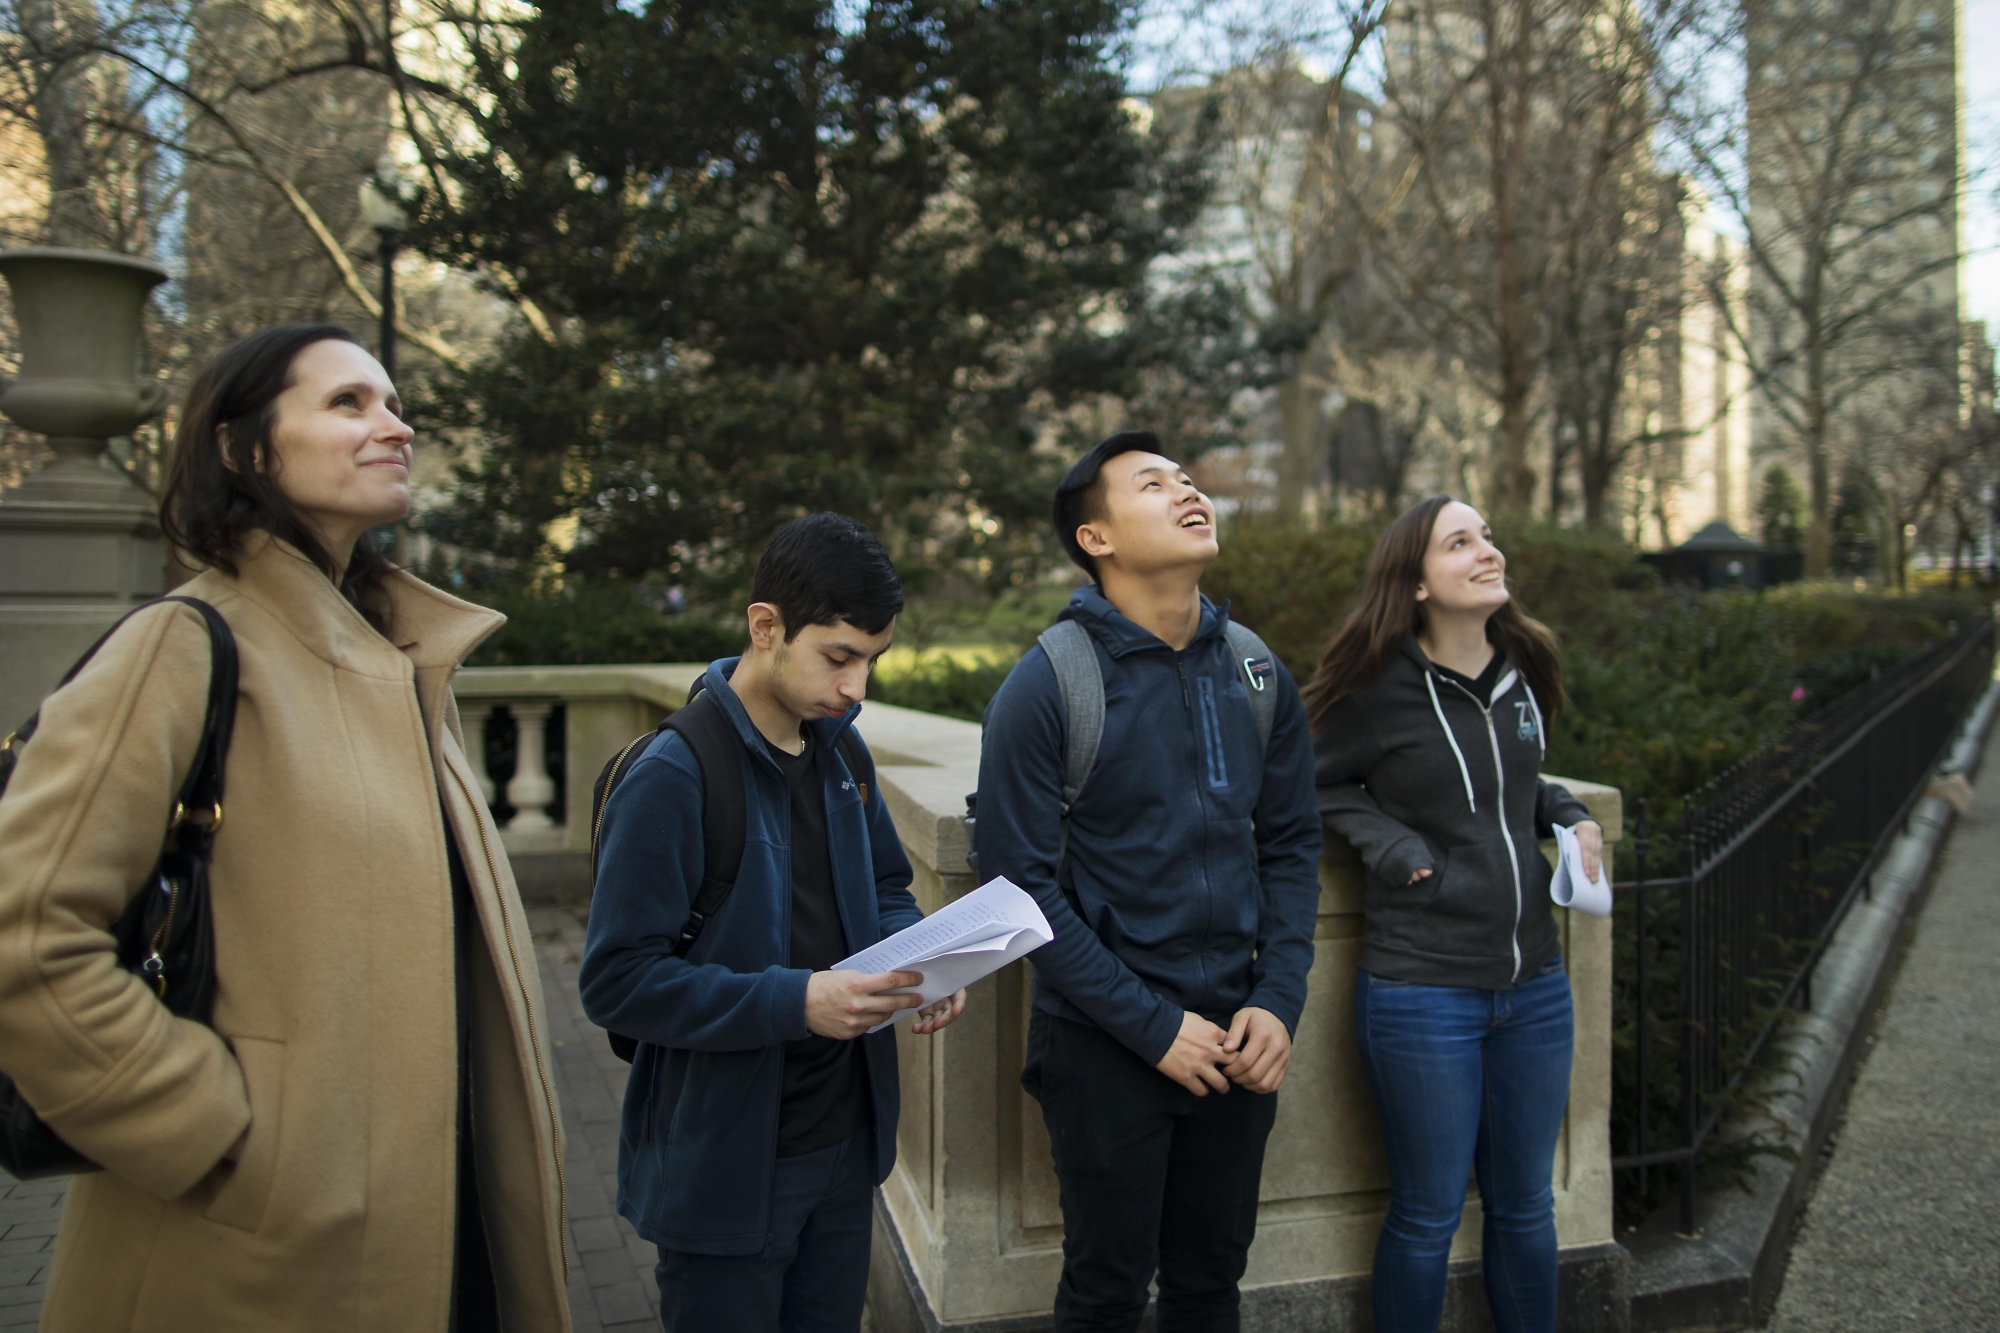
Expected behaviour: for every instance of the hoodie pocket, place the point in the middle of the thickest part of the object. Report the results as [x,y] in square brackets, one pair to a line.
[1426,890]
[243,1191]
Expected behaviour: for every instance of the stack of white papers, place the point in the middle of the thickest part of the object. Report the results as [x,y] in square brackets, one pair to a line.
[957,945]
[1573,889]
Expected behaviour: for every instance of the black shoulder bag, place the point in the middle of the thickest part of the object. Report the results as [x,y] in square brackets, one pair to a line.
[164,934]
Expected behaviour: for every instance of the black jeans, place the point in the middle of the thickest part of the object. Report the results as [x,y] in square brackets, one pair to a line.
[812,1276]
[1153,1179]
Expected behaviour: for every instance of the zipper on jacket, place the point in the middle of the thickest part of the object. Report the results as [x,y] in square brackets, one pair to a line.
[534,1037]
[1211,730]
[1506,834]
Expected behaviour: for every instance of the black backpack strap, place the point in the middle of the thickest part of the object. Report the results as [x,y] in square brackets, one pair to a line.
[704,724]
[859,762]
[706,727]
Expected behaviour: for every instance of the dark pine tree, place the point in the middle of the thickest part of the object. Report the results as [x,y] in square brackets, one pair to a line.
[798,255]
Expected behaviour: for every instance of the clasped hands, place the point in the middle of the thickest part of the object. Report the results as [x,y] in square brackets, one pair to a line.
[1254,1053]
[845,1004]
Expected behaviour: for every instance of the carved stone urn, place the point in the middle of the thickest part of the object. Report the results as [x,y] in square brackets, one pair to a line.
[79,541]
[78,312]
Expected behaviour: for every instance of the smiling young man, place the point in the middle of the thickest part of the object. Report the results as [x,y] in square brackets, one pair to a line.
[1181,880]
[760,1114]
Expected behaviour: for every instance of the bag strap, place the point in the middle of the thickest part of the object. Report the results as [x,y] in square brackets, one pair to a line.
[1259,670]
[859,761]
[706,727]
[1081,680]
[198,804]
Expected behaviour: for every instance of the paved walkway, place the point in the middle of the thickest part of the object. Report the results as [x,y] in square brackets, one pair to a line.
[1900,1231]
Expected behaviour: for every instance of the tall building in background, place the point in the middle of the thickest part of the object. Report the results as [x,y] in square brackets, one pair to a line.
[1856,159]
[1695,387]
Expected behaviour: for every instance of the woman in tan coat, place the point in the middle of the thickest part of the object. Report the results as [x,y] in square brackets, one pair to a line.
[367,1137]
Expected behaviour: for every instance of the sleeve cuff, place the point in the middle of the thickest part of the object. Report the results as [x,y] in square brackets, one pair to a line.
[1159,1034]
[788,1002]
[1285,1011]
[1403,860]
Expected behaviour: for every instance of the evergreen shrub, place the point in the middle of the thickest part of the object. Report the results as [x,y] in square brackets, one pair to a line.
[584,623]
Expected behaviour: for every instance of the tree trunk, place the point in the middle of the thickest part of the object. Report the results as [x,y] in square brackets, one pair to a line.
[1819,483]
[1298,433]
[62,119]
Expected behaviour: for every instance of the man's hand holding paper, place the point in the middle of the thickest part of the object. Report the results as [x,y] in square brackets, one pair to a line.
[953,947]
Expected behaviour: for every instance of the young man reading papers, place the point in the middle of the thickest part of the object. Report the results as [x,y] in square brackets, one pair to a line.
[759,1115]
[1181,884]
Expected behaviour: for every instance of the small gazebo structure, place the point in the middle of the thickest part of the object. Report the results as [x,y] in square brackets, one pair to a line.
[1720,557]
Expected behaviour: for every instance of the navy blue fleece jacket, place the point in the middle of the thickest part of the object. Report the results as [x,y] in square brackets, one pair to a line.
[697,1143]
[1193,858]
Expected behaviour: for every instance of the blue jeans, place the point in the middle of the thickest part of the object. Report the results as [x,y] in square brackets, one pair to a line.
[812,1276]
[1468,1082]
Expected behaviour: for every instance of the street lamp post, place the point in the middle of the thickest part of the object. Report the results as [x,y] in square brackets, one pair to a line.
[386,214]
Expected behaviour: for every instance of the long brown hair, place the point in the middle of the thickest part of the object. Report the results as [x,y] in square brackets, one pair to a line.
[1389,612]
[209,504]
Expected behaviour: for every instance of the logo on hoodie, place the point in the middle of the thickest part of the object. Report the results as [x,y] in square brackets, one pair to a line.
[1527,730]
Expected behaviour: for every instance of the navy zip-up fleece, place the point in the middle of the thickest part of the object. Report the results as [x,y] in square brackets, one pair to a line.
[697,1142]
[1194,859]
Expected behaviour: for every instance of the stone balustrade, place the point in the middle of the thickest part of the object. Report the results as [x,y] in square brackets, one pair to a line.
[602,707]
[969,1231]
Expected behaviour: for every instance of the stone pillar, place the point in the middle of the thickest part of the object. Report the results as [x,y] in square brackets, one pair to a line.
[532,789]
[472,721]
[79,542]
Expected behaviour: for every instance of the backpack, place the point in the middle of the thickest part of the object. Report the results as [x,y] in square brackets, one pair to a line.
[706,727]
[1081,680]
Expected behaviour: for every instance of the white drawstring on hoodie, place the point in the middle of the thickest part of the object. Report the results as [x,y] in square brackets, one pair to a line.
[1457,753]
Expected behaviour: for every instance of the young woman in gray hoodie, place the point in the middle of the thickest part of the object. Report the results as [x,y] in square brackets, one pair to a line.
[1430,708]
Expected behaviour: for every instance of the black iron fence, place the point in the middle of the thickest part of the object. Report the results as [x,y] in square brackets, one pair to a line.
[1770,856]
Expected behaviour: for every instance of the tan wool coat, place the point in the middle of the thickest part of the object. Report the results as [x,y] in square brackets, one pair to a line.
[334,1039]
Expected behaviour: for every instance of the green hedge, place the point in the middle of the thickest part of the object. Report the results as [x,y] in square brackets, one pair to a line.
[1667,687]
[582,623]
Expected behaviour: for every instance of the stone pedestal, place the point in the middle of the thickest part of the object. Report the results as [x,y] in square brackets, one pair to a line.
[79,546]
[79,542]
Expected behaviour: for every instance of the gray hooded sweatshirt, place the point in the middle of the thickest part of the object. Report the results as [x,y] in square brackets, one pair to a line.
[1418,772]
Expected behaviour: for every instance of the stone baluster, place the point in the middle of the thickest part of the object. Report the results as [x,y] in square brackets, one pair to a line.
[472,721]
[532,789]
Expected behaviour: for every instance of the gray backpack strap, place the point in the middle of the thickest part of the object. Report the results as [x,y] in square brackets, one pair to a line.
[1260,673]
[1081,680]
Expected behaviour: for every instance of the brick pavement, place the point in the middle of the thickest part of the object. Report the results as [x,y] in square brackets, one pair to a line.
[611,1287]
[29,1210]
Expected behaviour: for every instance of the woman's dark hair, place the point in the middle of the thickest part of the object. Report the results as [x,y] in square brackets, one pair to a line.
[1389,612]
[1080,494]
[215,495]
[825,568]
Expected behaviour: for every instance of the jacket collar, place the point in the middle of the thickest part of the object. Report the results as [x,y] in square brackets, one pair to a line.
[1121,636]
[429,630]
[826,732]
[1506,680]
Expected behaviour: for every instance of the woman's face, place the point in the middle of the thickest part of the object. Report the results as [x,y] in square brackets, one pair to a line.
[1463,570]
[343,454]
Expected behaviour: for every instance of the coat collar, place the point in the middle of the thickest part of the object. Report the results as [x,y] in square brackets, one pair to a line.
[429,630]
[826,732]
[1121,636]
